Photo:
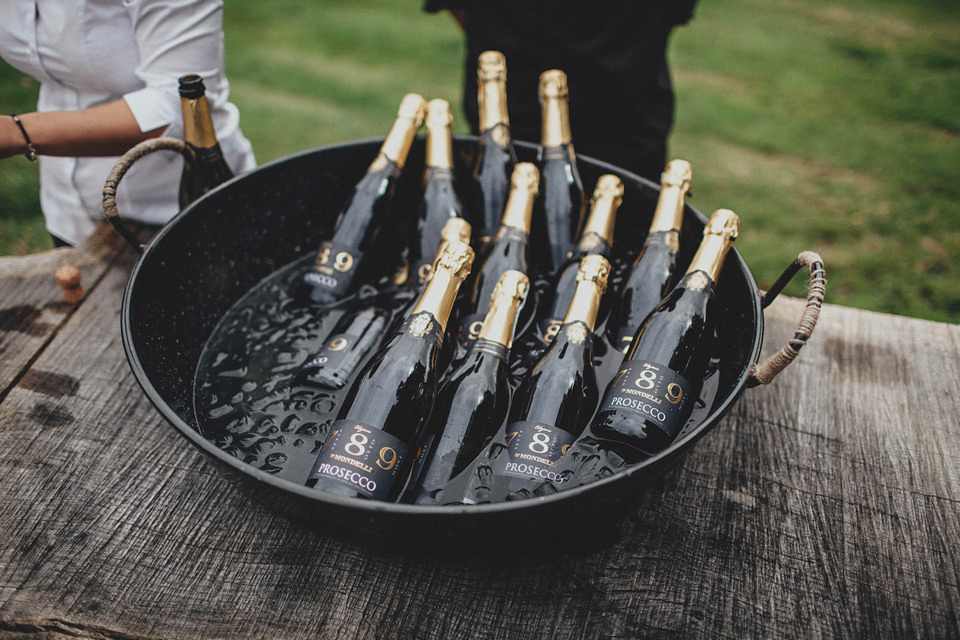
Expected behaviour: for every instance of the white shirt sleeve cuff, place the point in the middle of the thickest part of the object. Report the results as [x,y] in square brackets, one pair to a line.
[153,107]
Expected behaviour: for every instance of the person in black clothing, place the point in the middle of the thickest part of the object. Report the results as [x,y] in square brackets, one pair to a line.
[614,55]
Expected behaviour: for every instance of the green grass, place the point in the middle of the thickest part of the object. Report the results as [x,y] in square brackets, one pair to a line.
[827,126]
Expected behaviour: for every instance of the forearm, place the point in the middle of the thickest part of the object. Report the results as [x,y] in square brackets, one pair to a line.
[105,130]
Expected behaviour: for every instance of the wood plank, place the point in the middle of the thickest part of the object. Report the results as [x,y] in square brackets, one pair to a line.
[825,504]
[32,308]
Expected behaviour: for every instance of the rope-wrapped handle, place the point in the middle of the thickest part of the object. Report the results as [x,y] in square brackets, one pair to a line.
[764,372]
[123,165]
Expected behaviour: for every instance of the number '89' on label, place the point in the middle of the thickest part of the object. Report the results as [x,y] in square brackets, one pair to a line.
[534,448]
[361,457]
[334,267]
[652,391]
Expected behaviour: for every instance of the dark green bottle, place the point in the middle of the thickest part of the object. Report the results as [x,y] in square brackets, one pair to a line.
[596,239]
[562,201]
[654,271]
[206,167]
[496,156]
[473,400]
[369,451]
[333,273]
[649,401]
[555,402]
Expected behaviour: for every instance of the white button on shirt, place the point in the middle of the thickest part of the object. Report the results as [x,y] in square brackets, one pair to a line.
[86,53]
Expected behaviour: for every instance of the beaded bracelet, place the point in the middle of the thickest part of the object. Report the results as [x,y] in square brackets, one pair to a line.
[31,151]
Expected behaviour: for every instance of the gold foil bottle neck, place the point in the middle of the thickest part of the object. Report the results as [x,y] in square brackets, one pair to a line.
[525,177]
[457,258]
[439,122]
[723,223]
[449,271]
[397,144]
[674,184]
[677,173]
[438,114]
[492,67]
[607,197]
[500,321]
[718,237]
[596,269]
[555,110]
[456,229]
[553,84]
[591,283]
[412,107]
[524,184]
[198,123]
[492,96]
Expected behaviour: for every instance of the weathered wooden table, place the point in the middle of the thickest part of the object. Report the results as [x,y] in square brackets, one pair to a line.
[826,504]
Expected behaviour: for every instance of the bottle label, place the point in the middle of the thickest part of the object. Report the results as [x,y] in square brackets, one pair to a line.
[333,352]
[548,329]
[534,449]
[324,366]
[333,268]
[652,391]
[470,329]
[361,457]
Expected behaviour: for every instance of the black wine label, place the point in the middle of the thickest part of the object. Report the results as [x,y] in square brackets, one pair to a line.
[533,450]
[651,391]
[333,268]
[470,329]
[548,328]
[361,457]
[332,353]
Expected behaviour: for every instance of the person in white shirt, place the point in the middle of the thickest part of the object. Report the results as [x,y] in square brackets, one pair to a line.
[108,73]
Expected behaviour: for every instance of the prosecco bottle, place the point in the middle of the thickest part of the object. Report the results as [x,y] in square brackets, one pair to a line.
[553,405]
[654,271]
[561,190]
[496,156]
[333,273]
[473,400]
[440,202]
[366,451]
[596,239]
[507,250]
[353,337]
[653,394]
[205,167]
